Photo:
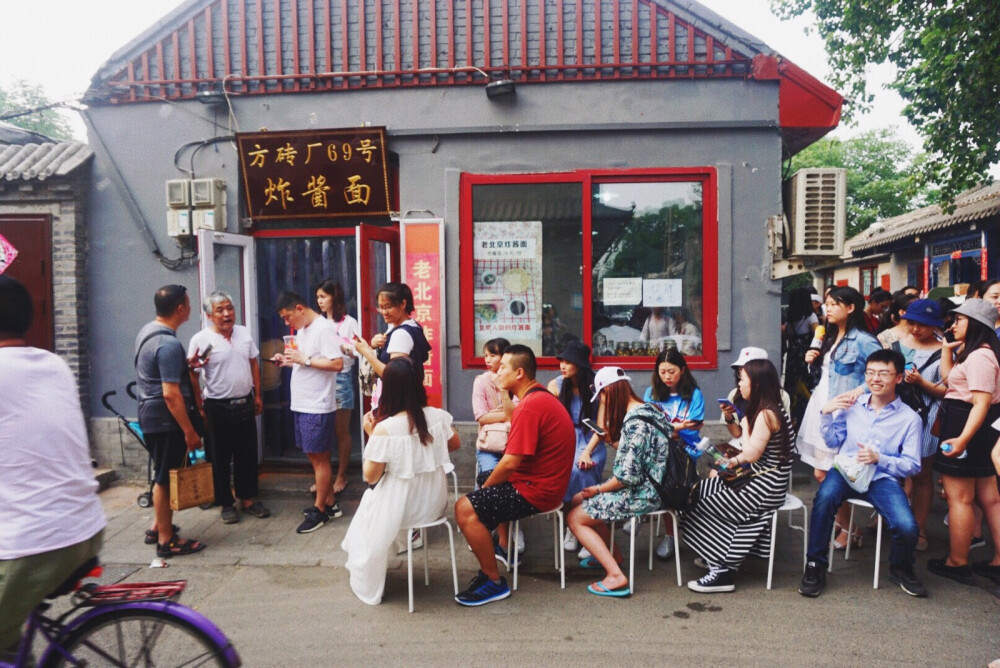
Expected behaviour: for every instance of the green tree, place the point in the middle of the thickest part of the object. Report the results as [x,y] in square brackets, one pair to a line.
[947,56]
[22,96]
[881,175]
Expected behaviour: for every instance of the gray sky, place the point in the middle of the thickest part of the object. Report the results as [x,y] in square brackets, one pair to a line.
[60,44]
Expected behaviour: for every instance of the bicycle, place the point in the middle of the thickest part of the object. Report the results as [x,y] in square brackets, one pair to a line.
[125,624]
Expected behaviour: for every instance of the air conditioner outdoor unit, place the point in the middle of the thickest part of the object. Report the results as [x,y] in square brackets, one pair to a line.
[178,193]
[208,192]
[816,200]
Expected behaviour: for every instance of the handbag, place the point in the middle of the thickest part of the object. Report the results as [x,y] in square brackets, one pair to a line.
[191,485]
[493,437]
[741,477]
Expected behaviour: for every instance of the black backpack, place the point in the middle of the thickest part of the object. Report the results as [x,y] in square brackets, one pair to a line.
[678,488]
[911,395]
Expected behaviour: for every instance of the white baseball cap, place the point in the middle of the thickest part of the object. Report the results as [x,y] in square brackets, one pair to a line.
[748,354]
[607,376]
[816,298]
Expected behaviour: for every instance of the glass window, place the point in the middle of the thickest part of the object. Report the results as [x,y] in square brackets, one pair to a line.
[647,281]
[526,264]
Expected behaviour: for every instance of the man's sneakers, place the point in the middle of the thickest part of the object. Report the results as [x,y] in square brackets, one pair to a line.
[501,555]
[666,549]
[977,542]
[519,541]
[813,580]
[482,590]
[570,543]
[719,579]
[333,511]
[314,519]
[907,581]
[229,515]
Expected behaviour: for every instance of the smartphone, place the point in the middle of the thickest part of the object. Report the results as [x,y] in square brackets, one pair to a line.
[910,366]
[939,336]
[726,402]
[589,424]
[203,355]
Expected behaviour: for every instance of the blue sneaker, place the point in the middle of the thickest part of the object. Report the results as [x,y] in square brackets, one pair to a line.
[482,590]
[501,555]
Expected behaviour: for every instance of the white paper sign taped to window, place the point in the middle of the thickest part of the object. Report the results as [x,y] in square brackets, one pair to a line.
[662,292]
[622,291]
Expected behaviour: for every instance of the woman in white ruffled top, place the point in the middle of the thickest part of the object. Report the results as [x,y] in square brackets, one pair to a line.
[405,463]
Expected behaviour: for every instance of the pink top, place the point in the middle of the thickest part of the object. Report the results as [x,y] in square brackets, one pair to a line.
[980,372]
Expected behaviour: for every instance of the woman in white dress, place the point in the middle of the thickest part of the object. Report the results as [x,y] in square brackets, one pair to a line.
[405,463]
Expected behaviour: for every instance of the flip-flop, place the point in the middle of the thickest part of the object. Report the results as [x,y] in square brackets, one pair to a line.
[592,564]
[338,491]
[599,589]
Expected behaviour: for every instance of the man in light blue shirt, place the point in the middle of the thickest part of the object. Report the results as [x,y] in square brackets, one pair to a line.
[877,429]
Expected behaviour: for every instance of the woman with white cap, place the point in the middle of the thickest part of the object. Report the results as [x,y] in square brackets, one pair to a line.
[641,430]
[736,405]
[971,405]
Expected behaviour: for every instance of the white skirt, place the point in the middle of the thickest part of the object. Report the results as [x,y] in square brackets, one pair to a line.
[812,448]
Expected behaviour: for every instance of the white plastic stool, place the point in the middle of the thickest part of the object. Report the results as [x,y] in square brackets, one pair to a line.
[654,530]
[859,503]
[423,537]
[556,514]
[791,504]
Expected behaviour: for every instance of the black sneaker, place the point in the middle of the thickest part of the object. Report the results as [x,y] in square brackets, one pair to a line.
[983,569]
[813,580]
[977,542]
[314,520]
[333,511]
[501,556]
[719,579]
[907,581]
[482,590]
[960,574]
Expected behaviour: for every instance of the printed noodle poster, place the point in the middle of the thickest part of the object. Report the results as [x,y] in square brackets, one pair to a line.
[507,275]
[7,254]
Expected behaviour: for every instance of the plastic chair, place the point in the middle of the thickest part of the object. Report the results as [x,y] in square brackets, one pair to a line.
[791,504]
[653,532]
[859,503]
[422,528]
[556,514]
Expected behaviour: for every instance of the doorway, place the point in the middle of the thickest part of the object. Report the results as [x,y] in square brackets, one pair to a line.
[32,237]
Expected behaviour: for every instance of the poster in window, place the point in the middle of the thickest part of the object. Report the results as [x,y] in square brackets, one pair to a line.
[662,292]
[507,274]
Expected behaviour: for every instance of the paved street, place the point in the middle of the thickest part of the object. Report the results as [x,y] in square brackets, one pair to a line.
[284,600]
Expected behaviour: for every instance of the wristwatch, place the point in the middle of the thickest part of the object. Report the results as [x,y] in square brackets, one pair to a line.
[309,361]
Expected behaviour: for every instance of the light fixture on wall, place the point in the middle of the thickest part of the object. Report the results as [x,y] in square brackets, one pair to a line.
[500,88]
[208,94]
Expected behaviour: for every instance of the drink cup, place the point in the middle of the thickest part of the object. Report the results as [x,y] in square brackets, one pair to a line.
[290,341]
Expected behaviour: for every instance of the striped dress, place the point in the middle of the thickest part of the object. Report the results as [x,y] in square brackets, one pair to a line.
[725,525]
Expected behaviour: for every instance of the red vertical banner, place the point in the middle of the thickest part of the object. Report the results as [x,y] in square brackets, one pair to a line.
[422,249]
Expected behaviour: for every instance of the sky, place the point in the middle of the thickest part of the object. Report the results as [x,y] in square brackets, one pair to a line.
[60,44]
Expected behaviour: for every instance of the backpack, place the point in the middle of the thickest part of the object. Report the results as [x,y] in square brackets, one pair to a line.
[421,348]
[911,395]
[678,487]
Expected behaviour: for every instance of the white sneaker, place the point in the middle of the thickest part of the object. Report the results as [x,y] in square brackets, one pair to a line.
[570,543]
[666,549]
[519,540]
[583,554]
[418,543]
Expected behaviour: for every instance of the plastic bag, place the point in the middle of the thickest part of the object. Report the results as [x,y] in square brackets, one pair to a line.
[858,476]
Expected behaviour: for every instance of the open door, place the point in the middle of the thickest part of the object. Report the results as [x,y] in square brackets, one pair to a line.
[378,263]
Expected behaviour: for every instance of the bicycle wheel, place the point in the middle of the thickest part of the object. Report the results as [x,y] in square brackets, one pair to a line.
[135,637]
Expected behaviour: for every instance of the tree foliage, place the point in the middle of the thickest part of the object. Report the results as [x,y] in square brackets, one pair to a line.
[947,55]
[22,96]
[881,175]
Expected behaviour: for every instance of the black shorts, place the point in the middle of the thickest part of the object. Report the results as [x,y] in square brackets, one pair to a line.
[498,504]
[167,451]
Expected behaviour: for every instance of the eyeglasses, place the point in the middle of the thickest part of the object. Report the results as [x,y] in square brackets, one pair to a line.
[884,375]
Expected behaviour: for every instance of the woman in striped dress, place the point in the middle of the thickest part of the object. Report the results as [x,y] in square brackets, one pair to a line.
[727,523]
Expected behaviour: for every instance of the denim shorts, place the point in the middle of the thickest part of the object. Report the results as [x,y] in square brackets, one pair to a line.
[314,432]
[345,391]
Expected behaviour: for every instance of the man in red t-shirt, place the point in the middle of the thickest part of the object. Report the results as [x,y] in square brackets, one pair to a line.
[531,477]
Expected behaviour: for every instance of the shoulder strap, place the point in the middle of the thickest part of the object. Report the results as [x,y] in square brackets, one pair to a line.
[536,388]
[897,347]
[656,425]
[138,349]
[935,356]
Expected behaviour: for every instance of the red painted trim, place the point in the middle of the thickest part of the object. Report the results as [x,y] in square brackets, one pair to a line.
[617,32]
[304,232]
[635,30]
[328,33]
[708,176]
[598,54]
[261,63]
[193,55]
[243,38]
[579,38]
[345,53]
[398,22]
[209,55]
[486,34]
[671,39]
[176,42]
[451,39]
[145,71]
[524,37]
[432,52]
[160,65]
[691,58]
[131,75]
[279,67]
[295,43]
[379,64]
[362,38]
[542,44]
[560,47]
[312,39]
[227,52]
[505,22]
[416,41]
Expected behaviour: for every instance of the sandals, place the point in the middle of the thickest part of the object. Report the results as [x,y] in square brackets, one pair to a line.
[840,541]
[175,548]
[153,536]
[341,488]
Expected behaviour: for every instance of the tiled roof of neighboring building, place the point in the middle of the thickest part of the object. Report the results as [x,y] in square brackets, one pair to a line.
[975,204]
[41,160]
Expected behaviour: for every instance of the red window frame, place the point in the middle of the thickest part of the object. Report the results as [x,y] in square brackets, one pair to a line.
[873,279]
[707,176]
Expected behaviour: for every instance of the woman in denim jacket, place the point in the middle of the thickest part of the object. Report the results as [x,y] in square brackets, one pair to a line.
[842,357]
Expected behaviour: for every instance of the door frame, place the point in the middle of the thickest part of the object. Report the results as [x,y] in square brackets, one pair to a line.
[207,239]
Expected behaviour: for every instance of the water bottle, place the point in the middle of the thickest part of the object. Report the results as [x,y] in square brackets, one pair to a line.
[948,447]
[704,446]
[693,445]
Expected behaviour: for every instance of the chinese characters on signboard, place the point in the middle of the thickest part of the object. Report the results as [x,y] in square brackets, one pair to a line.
[507,267]
[422,254]
[314,173]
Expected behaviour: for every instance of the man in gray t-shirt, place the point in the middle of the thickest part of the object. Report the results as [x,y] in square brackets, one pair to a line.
[165,396]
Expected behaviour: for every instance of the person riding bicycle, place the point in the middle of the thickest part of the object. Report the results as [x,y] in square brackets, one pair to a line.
[51,520]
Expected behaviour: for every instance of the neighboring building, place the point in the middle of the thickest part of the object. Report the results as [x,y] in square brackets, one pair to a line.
[926,247]
[44,185]
[625,155]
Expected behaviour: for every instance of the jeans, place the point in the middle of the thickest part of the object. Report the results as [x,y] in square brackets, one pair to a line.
[888,498]
[487,460]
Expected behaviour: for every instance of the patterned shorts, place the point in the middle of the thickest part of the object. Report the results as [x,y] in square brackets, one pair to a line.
[314,432]
[499,503]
